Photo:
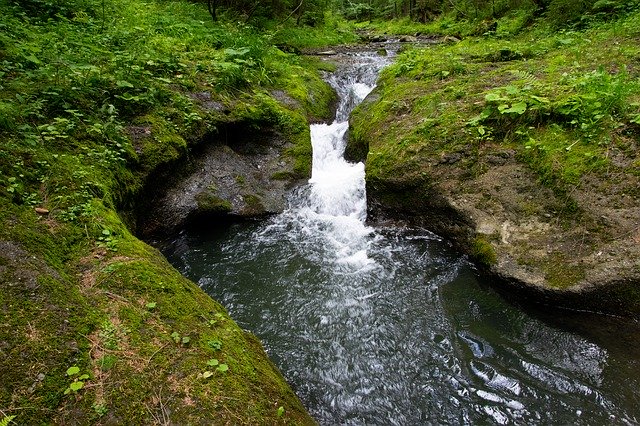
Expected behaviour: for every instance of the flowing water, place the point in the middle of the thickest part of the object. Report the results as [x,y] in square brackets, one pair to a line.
[390,326]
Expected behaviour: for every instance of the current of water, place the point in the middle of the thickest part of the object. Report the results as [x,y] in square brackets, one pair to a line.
[389,326]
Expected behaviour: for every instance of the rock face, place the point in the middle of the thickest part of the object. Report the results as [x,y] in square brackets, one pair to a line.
[241,173]
[520,231]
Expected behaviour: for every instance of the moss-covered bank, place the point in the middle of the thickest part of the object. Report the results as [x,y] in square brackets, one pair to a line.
[96,98]
[524,151]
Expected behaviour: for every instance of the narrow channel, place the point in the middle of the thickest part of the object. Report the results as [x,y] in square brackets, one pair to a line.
[390,326]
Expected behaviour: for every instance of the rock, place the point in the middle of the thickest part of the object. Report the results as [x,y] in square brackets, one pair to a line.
[249,176]
[41,211]
[451,39]
[408,39]
[378,39]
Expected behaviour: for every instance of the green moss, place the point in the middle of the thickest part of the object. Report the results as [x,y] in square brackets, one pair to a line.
[483,251]
[86,283]
[210,203]
[560,274]
[254,203]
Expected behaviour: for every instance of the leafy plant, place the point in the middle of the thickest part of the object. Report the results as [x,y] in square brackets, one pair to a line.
[183,340]
[100,409]
[108,240]
[223,368]
[216,345]
[78,382]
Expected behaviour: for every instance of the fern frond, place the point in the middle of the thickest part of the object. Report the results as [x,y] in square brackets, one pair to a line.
[6,420]
[526,77]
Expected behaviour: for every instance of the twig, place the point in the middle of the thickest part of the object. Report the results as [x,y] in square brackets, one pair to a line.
[154,354]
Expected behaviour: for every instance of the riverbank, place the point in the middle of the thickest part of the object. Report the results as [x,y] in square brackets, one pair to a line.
[523,150]
[99,106]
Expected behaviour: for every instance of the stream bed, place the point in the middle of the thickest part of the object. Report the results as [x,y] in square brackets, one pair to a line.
[390,326]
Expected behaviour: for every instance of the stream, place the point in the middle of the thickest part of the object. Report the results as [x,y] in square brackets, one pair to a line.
[390,326]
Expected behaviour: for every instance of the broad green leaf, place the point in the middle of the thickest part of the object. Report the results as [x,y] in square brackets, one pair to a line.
[494,97]
[76,386]
[123,83]
[223,367]
[73,370]
[517,108]
[512,90]
[213,362]
[236,52]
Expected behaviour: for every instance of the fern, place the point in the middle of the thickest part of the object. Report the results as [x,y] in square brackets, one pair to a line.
[6,420]
[526,77]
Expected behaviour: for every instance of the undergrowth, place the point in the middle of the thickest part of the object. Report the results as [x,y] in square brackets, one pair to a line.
[95,95]
[555,97]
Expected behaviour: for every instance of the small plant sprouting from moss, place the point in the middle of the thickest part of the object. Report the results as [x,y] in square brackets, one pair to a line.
[215,345]
[108,240]
[100,409]
[181,340]
[78,380]
[221,367]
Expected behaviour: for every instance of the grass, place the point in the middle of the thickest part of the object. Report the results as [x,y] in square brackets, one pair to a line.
[555,98]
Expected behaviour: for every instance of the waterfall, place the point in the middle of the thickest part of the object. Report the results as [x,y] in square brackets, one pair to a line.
[332,209]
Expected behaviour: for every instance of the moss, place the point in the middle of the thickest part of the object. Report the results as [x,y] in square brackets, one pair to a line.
[163,144]
[561,274]
[483,251]
[254,204]
[210,203]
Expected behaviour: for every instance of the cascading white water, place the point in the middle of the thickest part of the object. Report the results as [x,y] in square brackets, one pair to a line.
[335,202]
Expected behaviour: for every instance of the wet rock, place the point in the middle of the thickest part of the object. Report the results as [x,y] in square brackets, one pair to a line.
[408,39]
[246,176]
[451,158]
[451,39]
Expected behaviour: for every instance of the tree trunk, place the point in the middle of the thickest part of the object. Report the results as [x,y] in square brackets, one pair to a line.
[212,5]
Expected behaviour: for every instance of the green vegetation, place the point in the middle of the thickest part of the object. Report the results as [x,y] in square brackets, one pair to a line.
[96,95]
[559,99]
[527,128]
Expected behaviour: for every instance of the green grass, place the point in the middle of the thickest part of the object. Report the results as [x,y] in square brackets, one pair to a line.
[556,98]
